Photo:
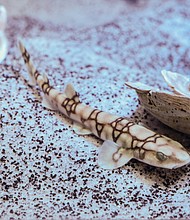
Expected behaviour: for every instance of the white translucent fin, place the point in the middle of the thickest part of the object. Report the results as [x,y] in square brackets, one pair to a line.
[70,92]
[45,77]
[80,130]
[178,82]
[140,87]
[111,156]
[32,81]
[47,104]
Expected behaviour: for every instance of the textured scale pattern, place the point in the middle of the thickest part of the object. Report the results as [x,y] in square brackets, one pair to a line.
[122,137]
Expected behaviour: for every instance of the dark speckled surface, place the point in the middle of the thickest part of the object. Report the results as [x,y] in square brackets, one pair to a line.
[46,170]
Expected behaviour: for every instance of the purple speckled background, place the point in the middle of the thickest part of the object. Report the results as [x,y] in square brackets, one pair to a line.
[46,170]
